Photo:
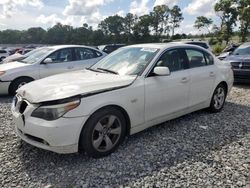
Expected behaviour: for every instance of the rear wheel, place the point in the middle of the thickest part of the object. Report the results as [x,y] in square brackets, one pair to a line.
[16,84]
[218,99]
[103,132]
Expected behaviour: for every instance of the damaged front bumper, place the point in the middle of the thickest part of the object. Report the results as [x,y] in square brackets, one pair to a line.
[60,136]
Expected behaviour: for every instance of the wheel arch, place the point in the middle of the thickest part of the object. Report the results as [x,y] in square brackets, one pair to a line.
[224,83]
[20,77]
[121,109]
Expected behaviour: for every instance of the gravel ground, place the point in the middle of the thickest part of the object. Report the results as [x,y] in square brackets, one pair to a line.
[197,150]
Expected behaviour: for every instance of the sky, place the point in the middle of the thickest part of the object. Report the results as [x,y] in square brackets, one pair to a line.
[23,14]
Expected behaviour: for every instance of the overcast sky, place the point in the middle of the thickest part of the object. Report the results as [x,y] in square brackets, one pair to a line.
[22,14]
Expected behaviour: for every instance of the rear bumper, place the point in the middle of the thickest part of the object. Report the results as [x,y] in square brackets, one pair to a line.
[4,88]
[241,75]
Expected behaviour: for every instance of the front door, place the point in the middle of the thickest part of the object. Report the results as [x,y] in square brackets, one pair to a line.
[165,95]
[62,61]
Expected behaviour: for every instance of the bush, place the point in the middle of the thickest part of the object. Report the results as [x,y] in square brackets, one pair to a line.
[218,48]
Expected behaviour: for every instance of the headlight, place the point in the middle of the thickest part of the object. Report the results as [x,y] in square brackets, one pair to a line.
[54,112]
[2,73]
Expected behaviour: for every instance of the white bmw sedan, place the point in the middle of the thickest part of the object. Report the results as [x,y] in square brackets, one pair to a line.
[46,62]
[128,91]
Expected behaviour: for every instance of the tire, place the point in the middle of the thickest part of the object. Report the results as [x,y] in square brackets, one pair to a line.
[2,58]
[16,84]
[218,99]
[103,132]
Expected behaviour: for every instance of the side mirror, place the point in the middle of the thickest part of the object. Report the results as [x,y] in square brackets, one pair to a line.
[47,61]
[161,71]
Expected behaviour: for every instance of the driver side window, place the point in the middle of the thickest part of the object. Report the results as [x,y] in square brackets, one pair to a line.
[172,59]
[61,56]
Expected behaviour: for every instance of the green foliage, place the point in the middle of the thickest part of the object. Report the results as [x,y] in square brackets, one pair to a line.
[227,11]
[244,18]
[203,22]
[159,20]
[175,18]
[218,48]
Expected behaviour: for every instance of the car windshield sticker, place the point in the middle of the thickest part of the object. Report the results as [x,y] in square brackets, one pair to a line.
[149,50]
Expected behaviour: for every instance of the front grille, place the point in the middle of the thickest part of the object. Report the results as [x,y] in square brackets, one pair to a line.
[241,65]
[23,107]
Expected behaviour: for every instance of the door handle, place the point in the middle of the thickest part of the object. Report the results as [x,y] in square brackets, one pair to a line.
[184,80]
[211,74]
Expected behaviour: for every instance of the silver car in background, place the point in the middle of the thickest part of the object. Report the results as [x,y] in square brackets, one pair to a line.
[46,62]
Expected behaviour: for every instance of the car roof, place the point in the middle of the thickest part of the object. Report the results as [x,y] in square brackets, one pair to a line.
[245,44]
[56,47]
[165,45]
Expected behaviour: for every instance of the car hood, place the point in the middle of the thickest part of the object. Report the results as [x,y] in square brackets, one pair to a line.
[12,65]
[244,58]
[71,84]
[13,57]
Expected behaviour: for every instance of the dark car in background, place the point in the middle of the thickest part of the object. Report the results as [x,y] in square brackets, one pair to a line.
[108,48]
[227,51]
[240,62]
[203,44]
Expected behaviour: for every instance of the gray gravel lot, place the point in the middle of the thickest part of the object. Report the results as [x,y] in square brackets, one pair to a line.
[197,150]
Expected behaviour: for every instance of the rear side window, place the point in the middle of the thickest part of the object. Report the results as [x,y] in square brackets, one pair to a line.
[172,59]
[196,58]
[85,54]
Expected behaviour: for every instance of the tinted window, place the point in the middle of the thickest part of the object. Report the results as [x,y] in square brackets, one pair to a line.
[64,55]
[196,58]
[242,50]
[171,59]
[2,51]
[209,59]
[85,53]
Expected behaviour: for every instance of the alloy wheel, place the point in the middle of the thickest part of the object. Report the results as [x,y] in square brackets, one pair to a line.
[106,133]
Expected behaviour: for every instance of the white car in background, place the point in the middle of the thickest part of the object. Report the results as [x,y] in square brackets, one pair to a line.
[128,91]
[19,57]
[3,54]
[46,62]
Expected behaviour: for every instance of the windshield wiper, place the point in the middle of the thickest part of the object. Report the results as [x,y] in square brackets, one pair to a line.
[107,70]
[94,70]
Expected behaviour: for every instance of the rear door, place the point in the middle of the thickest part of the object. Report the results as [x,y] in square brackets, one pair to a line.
[86,57]
[62,61]
[203,74]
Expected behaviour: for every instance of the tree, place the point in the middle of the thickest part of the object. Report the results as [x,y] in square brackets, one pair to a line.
[113,25]
[60,34]
[142,28]
[175,18]
[129,22]
[203,22]
[244,18]
[160,17]
[227,11]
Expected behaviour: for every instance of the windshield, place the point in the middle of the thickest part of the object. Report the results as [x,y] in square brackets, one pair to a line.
[242,50]
[37,55]
[126,61]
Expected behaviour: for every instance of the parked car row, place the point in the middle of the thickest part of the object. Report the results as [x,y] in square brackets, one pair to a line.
[45,62]
[125,92]
[240,62]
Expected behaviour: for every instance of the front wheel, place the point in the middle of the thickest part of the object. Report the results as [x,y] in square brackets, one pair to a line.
[16,84]
[103,132]
[218,99]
